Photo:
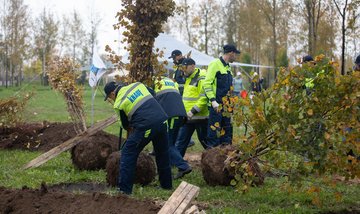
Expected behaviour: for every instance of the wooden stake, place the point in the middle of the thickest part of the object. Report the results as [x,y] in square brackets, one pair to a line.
[43,158]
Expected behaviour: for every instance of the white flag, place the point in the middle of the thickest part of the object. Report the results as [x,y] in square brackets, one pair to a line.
[97,69]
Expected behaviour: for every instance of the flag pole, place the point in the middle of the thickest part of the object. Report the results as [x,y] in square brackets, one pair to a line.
[97,69]
[92,104]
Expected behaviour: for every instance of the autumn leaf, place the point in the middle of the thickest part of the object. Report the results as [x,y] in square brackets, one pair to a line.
[316,200]
[327,136]
[313,189]
[310,112]
[338,196]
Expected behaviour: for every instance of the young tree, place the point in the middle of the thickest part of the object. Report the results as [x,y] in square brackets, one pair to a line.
[299,133]
[143,20]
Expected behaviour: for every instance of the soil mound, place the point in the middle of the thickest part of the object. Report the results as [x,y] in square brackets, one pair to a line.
[92,152]
[45,201]
[80,187]
[40,136]
[145,169]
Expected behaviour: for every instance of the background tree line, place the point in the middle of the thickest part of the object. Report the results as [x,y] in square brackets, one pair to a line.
[269,31]
[28,41]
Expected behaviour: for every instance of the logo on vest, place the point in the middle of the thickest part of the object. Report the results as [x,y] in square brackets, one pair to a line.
[169,83]
[135,95]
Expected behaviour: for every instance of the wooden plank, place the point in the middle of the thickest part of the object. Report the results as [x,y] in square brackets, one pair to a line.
[180,199]
[193,209]
[192,193]
[43,158]
[170,206]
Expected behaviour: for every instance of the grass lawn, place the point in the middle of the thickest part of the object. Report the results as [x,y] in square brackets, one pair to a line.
[270,198]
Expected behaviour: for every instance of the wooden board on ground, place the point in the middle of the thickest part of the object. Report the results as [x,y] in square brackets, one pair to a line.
[43,158]
[180,200]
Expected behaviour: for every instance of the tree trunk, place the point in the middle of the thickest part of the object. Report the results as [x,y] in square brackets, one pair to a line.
[206,31]
[343,41]
[274,38]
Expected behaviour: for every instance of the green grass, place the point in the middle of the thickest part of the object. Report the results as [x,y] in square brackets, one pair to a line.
[269,198]
[57,170]
[50,105]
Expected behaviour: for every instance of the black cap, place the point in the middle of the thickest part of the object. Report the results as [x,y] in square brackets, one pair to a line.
[188,61]
[230,48]
[307,58]
[175,53]
[109,87]
[357,61]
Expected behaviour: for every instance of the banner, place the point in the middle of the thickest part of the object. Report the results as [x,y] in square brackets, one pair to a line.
[97,69]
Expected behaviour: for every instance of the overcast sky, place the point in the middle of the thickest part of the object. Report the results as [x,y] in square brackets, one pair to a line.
[106,8]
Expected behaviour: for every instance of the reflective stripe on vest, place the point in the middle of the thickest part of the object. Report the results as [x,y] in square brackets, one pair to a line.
[165,85]
[137,105]
[126,93]
[167,91]
[131,97]
[195,80]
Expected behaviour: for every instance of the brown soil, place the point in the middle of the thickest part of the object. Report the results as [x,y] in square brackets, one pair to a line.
[41,136]
[91,153]
[194,159]
[50,201]
[80,187]
[145,169]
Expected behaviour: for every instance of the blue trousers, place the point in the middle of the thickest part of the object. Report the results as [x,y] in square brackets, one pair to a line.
[213,136]
[185,133]
[135,143]
[176,159]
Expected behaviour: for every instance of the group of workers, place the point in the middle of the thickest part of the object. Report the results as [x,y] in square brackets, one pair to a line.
[170,111]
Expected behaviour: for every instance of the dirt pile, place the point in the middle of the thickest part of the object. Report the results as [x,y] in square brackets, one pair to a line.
[47,201]
[145,169]
[41,136]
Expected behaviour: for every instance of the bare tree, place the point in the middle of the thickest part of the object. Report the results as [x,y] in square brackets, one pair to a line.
[313,14]
[92,24]
[76,35]
[45,38]
[15,27]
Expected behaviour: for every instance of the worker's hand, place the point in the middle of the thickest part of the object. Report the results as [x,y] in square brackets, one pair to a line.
[215,105]
[189,115]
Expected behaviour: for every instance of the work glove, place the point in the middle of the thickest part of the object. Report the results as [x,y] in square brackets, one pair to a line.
[215,105]
[189,115]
